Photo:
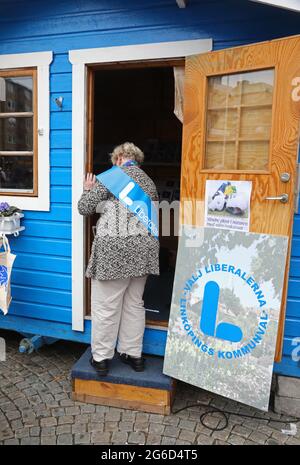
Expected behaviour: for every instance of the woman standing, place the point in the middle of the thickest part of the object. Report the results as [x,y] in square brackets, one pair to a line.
[123,254]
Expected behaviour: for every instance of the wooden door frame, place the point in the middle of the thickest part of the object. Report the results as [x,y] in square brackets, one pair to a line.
[141,64]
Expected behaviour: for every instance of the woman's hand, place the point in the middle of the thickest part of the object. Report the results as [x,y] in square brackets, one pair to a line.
[89,180]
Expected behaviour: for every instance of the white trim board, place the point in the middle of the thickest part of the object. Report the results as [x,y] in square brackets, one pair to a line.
[293,5]
[40,60]
[79,60]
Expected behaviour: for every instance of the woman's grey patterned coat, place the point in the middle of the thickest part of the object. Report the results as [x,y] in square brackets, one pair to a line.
[122,246]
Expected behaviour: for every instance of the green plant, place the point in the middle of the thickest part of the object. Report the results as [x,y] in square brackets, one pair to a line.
[8,210]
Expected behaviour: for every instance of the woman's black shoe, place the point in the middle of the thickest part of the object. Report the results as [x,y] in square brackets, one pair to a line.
[137,363]
[100,367]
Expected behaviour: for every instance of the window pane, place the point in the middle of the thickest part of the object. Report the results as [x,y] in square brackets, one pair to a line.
[16,94]
[239,115]
[16,172]
[16,133]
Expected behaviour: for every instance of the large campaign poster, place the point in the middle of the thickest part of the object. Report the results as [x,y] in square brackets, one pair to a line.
[225,310]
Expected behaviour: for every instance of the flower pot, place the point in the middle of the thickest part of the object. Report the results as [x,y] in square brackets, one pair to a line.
[11,223]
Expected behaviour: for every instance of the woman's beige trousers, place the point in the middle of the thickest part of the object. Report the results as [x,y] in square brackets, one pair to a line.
[118,313]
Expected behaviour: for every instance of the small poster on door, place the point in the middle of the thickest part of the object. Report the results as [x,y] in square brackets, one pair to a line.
[227,204]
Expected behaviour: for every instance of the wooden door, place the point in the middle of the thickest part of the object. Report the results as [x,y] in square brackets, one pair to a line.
[241,122]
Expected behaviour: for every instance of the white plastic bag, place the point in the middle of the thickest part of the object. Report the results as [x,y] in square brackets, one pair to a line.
[6,262]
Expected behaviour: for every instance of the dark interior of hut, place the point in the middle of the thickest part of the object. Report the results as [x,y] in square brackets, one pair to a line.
[137,105]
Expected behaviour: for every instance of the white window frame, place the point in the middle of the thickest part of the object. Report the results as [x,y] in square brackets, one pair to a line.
[40,60]
[79,60]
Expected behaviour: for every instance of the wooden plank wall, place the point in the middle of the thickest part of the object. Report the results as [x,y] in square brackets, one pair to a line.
[42,274]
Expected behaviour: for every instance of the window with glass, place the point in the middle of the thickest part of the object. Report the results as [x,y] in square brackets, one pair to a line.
[18,147]
[238,124]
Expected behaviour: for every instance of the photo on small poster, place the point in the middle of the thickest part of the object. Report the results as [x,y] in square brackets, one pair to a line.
[227,204]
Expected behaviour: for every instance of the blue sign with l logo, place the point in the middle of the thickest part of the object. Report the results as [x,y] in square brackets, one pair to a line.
[225,331]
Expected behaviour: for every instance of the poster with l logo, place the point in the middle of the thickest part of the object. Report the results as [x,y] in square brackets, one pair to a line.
[225,310]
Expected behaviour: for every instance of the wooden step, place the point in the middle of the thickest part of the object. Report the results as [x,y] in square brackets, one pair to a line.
[148,391]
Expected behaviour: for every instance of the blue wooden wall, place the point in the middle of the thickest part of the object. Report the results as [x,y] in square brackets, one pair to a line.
[42,274]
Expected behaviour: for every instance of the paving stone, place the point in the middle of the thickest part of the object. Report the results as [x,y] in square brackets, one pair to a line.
[95,426]
[142,417]
[280,437]
[102,408]
[204,440]
[22,433]
[275,425]
[63,429]
[11,442]
[258,437]
[136,438]
[78,428]
[74,410]
[249,443]
[35,431]
[287,405]
[236,440]
[82,438]
[48,431]
[126,426]
[188,425]
[288,386]
[219,442]
[50,421]
[156,428]
[172,431]
[88,408]
[166,440]
[241,431]
[48,440]
[82,418]
[97,417]
[66,403]
[251,424]
[67,419]
[171,420]
[101,438]
[31,441]
[128,415]
[187,436]
[119,437]
[13,415]
[58,412]
[181,442]
[65,439]
[141,426]
[156,418]
[222,435]
[272,442]
[16,424]
[203,430]
[6,434]
[234,420]
[111,426]
[154,439]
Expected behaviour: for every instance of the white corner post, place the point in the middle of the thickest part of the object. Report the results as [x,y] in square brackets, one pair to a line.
[80,59]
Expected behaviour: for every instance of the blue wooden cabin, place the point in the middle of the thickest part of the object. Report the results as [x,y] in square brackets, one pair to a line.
[59,39]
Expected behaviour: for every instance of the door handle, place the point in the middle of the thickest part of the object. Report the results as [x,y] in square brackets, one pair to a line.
[284,198]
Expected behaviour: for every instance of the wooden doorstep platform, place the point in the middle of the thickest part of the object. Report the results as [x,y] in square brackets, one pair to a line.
[149,391]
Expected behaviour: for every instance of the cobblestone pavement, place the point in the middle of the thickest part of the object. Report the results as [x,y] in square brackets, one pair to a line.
[36,408]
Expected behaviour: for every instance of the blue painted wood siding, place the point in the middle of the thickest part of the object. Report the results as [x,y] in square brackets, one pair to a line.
[42,274]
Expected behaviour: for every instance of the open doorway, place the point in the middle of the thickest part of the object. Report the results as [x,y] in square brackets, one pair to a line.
[135,103]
